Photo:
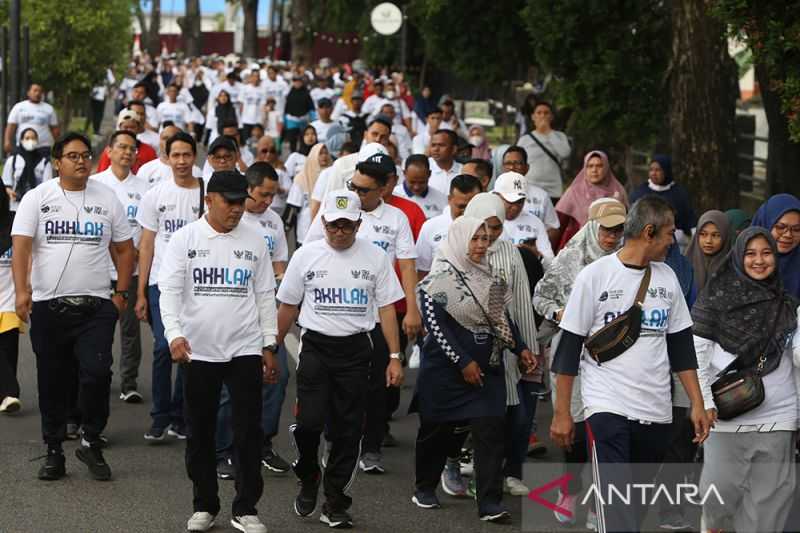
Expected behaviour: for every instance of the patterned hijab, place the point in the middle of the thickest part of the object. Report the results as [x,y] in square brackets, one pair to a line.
[704,265]
[738,312]
[468,291]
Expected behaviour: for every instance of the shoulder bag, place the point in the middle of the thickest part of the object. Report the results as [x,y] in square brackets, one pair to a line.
[549,154]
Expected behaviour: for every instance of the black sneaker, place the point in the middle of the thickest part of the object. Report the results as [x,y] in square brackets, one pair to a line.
[53,467]
[225,469]
[177,431]
[92,456]
[336,519]
[156,433]
[306,500]
[274,462]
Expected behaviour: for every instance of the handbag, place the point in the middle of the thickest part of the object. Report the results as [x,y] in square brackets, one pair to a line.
[739,391]
[617,336]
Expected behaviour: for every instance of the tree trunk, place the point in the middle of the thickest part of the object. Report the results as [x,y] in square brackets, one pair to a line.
[152,42]
[250,38]
[784,155]
[301,37]
[704,88]
[67,110]
[190,28]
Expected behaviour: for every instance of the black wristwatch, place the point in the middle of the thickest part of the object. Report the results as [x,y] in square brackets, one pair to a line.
[124,294]
[272,348]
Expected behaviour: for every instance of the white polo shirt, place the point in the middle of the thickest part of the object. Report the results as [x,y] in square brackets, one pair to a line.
[270,225]
[130,192]
[432,204]
[431,236]
[527,226]
[165,209]
[223,285]
[385,226]
[636,384]
[71,232]
[538,203]
[156,171]
[440,179]
[341,290]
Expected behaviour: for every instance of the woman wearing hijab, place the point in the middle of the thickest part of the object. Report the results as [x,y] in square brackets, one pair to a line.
[298,111]
[709,247]
[745,316]
[738,220]
[296,160]
[524,380]
[479,142]
[599,237]
[661,183]
[10,324]
[461,378]
[25,168]
[224,113]
[595,180]
[300,194]
[781,216]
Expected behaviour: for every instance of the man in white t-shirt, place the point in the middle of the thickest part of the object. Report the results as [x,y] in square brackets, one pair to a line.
[521,227]
[324,122]
[444,167]
[166,208]
[218,309]
[276,87]
[139,93]
[174,111]
[267,151]
[422,140]
[129,190]
[32,113]
[415,187]
[344,284]
[62,231]
[537,201]
[253,98]
[143,134]
[158,170]
[434,232]
[627,398]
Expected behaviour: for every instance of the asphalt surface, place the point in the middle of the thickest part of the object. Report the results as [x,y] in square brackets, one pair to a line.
[150,492]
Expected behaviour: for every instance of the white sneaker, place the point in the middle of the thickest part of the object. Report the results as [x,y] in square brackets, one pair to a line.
[249,524]
[10,405]
[591,521]
[565,501]
[200,521]
[515,487]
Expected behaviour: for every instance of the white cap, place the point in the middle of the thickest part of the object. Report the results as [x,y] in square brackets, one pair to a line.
[341,203]
[368,150]
[511,186]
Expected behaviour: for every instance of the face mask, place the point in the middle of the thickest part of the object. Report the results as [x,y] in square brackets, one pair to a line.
[30,144]
[475,140]
[389,94]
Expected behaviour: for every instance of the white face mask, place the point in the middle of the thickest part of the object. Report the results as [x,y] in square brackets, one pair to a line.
[389,95]
[475,140]
[30,144]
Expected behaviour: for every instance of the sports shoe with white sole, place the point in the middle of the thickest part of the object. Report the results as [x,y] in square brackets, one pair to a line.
[425,500]
[249,524]
[567,502]
[10,405]
[131,396]
[515,487]
[336,519]
[370,463]
[452,482]
[200,521]
[495,513]
[591,521]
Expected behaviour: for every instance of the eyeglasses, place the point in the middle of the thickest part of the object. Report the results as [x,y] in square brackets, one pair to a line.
[616,230]
[226,157]
[359,190]
[783,228]
[75,156]
[347,228]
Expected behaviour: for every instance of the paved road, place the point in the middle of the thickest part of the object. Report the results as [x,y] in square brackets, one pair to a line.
[150,491]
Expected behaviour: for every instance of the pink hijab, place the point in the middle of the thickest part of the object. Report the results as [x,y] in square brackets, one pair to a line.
[579,196]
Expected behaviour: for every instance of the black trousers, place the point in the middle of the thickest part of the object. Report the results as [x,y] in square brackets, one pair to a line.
[97,109]
[332,379]
[436,439]
[201,390]
[65,342]
[377,415]
[575,458]
[679,457]
[292,137]
[9,355]
[393,393]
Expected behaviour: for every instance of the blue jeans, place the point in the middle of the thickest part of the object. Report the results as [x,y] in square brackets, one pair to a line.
[519,424]
[272,397]
[167,401]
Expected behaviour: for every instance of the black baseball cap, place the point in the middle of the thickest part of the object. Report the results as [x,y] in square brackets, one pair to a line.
[229,183]
[379,163]
[223,141]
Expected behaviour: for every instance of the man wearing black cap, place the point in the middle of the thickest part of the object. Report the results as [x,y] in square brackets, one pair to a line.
[324,122]
[218,309]
[223,154]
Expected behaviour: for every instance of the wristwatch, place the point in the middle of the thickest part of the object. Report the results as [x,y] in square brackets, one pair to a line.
[397,356]
[272,348]
[124,294]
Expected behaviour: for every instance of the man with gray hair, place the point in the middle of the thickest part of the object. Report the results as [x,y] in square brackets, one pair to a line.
[625,384]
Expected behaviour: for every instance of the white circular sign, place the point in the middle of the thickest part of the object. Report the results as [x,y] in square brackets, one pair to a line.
[386,18]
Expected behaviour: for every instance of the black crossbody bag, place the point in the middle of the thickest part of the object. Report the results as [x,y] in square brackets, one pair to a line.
[549,154]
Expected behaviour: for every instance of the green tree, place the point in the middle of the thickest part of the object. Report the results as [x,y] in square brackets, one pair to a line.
[72,45]
[771,29]
[608,60]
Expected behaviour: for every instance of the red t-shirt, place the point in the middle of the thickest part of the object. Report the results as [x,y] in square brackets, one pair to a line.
[416,218]
[145,153]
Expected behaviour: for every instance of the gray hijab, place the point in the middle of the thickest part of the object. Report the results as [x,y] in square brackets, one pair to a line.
[703,265]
